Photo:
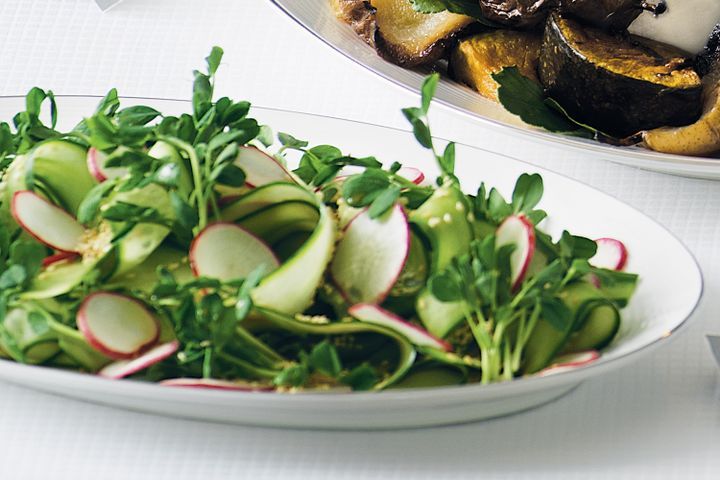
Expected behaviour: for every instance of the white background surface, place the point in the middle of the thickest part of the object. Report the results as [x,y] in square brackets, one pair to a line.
[658,419]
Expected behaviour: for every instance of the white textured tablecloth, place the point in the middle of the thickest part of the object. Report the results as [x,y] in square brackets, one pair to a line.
[658,419]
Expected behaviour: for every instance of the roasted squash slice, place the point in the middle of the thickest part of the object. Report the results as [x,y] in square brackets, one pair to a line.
[703,136]
[476,58]
[617,83]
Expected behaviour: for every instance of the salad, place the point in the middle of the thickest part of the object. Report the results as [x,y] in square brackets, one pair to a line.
[183,250]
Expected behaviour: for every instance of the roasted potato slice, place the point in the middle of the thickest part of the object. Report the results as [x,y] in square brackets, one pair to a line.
[476,58]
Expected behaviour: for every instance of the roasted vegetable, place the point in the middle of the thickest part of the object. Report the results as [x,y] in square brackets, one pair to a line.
[475,59]
[615,83]
[517,13]
[409,38]
[614,15]
[709,58]
[703,136]
[360,15]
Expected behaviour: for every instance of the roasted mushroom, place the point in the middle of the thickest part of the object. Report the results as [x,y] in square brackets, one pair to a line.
[517,13]
[476,58]
[399,33]
[360,15]
[613,15]
[409,38]
[615,83]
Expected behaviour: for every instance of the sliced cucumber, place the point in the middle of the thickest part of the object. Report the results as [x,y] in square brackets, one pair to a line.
[432,376]
[406,352]
[619,286]
[58,279]
[144,276]
[165,151]
[442,219]
[30,333]
[264,196]
[62,166]
[546,341]
[135,247]
[414,274]
[599,323]
[74,345]
[274,222]
[291,288]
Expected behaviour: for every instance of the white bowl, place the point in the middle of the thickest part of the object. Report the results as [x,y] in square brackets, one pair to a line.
[669,290]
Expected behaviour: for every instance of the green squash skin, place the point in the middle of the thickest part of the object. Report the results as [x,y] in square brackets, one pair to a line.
[612,103]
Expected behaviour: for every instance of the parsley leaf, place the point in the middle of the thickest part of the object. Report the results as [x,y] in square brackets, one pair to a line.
[526,99]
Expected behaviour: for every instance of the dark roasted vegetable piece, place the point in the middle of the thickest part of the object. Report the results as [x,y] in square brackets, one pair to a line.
[360,15]
[614,15]
[409,38]
[709,58]
[476,58]
[615,83]
[517,13]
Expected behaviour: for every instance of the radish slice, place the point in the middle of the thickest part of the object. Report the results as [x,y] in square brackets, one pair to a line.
[378,316]
[96,165]
[59,257]
[260,168]
[229,252]
[124,368]
[611,254]
[213,384]
[517,230]
[569,362]
[48,223]
[371,255]
[413,174]
[116,325]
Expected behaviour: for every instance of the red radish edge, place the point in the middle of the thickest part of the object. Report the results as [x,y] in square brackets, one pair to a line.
[194,243]
[59,257]
[413,174]
[18,218]
[93,164]
[124,368]
[84,327]
[381,297]
[529,231]
[593,280]
[399,325]
[571,361]
[248,172]
[214,384]
[611,254]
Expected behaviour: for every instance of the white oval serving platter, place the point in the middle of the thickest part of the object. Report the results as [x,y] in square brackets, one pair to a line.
[670,289]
